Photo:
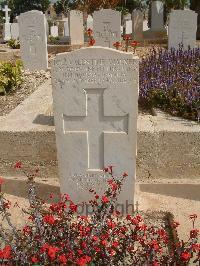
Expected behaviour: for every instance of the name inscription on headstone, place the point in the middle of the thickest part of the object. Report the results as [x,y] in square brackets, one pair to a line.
[98,70]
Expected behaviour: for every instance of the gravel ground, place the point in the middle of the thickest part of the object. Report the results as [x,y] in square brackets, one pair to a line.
[31,81]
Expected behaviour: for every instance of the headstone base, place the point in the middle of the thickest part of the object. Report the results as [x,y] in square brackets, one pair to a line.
[149,34]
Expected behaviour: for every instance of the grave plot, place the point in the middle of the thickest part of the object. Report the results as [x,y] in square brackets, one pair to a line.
[99,182]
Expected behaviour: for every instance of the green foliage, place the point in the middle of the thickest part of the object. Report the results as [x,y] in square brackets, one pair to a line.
[53,40]
[10,76]
[14,44]
[130,5]
[62,6]
[21,6]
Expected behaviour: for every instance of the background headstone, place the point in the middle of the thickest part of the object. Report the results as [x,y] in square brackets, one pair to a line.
[76,29]
[66,29]
[137,20]
[182,28]
[90,22]
[47,29]
[14,28]
[60,28]
[128,25]
[7,24]
[157,19]
[54,31]
[107,27]
[145,25]
[6,10]
[96,122]
[33,40]
[6,31]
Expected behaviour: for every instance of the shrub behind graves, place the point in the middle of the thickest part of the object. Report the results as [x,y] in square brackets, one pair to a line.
[170,80]
[10,76]
[14,44]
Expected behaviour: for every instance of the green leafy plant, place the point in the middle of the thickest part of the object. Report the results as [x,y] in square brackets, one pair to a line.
[60,233]
[10,76]
[14,44]
[53,40]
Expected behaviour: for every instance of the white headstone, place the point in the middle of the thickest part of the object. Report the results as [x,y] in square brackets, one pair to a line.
[107,27]
[47,29]
[157,20]
[33,40]
[182,28]
[54,31]
[90,22]
[137,20]
[6,10]
[145,25]
[66,27]
[95,94]
[6,31]
[76,29]
[14,31]
[128,24]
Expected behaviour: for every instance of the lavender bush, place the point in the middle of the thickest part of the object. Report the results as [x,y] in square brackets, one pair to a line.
[170,80]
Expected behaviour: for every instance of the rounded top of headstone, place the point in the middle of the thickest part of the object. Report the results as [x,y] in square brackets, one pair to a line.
[107,11]
[99,51]
[32,12]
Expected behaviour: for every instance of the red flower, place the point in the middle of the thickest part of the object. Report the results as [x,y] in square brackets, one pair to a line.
[105,169]
[105,199]
[115,244]
[34,259]
[104,242]
[127,37]
[89,32]
[91,42]
[125,174]
[97,197]
[185,256]
[49,219]
[62,259]
[193,216]
[27,230]
[37,170]
[80,252]
[134,43]
[52,252]
[18,165]
[83,244]
[175,224]
[73,207]
[117,44]
[83,261]
[67,197]
[112,252]
[1,181]
[95,238]
[97,249]
[194,233]
[5,253]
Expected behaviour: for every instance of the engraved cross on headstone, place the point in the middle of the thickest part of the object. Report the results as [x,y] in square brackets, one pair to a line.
[107,33]
[183,36]
[95,124]
[6,10]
